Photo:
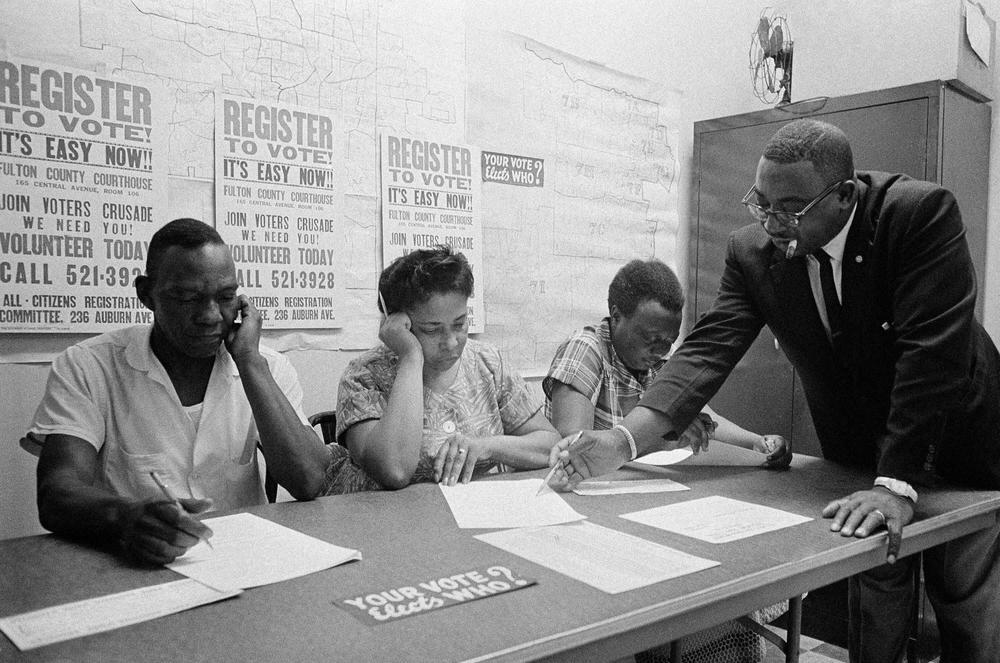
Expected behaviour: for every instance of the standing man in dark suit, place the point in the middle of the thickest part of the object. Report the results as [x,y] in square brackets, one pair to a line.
[865,280]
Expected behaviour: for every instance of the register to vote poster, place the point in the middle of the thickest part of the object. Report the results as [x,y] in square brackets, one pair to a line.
[430,196]
[82,189]
[276,168]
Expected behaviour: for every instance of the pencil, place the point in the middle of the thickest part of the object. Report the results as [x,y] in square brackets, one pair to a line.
[173,498]
[385,309]
[552,472]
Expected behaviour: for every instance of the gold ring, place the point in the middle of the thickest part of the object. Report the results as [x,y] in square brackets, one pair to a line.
[461,451]
[880,515]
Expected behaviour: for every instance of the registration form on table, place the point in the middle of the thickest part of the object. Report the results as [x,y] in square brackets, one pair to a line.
[632,478]
[104,613]
[716,519]
[496,504]
[613,487]
[250,551]
[601,557]
[665,457]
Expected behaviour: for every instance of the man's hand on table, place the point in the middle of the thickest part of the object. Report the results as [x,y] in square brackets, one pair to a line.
[866,511]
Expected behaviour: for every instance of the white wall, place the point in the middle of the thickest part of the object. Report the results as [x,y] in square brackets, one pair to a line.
[699,48]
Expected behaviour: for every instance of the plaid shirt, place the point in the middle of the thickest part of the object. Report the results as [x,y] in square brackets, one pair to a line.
[588,363]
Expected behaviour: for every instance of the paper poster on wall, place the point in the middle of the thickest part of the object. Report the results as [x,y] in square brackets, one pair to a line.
[513,169]
[83,186]
[430,197]
[605,146]
[276,184]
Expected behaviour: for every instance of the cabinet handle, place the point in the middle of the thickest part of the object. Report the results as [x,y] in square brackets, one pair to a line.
[776,346]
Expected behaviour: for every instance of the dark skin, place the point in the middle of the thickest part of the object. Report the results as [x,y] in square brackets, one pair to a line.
[788,187]
[195,306]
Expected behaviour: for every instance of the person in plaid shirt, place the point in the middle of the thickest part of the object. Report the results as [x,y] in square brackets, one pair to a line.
[597,377]
[600,371]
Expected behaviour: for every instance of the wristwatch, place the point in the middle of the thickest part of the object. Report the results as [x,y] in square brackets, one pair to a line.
[897,487]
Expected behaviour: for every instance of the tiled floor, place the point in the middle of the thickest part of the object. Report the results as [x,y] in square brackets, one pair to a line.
[812,651]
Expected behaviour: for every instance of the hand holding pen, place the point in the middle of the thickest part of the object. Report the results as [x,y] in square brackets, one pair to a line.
[185,524]
[158,531]
[556,465]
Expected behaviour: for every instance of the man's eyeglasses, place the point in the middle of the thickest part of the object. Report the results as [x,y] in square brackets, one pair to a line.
[786,219]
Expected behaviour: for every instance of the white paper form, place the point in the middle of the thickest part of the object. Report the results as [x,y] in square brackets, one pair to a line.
[978,31]
[496,504]
[252,551]
[596,487]
[665,457]
[105,613]
[601,557]
[632,477]
[716,519]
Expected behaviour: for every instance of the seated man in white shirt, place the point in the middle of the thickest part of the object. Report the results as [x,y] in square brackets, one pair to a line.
[188,398]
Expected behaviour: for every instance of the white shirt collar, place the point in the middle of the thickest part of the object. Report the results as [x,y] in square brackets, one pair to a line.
[835,247]
[139,354]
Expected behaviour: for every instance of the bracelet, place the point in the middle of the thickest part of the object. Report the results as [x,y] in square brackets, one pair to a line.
[628,437]
[897,487]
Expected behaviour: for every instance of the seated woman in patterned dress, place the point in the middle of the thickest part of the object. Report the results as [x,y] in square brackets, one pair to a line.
[428,403]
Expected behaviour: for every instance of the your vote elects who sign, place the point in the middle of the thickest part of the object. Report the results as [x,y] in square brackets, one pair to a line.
[383,605]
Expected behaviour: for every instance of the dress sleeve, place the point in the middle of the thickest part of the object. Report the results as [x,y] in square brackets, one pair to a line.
[513,396]
[577,363]
[362,393]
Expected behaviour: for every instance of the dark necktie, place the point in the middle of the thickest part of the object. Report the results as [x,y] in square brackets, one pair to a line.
[830,299]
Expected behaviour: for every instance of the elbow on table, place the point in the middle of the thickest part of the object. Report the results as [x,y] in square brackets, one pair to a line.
[48,516]
[391,472]
[57,515]
[306,488]
[395,478]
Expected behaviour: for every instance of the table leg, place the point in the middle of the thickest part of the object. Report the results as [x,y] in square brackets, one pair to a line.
[794,629]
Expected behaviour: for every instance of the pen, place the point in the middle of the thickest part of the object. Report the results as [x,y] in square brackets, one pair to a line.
[548,477]
[173,498]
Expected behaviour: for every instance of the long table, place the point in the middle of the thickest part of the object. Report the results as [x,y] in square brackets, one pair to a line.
[409,536]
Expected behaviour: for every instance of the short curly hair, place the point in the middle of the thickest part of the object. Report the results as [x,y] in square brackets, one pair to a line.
[820,143]
[640,280]
[411,279]
[185,233]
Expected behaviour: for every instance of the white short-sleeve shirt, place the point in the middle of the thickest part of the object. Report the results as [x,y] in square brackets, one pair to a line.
[113,392]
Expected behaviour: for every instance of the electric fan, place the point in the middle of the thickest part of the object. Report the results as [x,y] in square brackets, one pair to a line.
[771,60]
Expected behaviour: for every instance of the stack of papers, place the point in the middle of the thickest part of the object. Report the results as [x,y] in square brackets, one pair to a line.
[250,551]
[625,486]
[598,556]
[601,557]
[105,613]
[497,504]
[716,519]
[247,551]
[665,457]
